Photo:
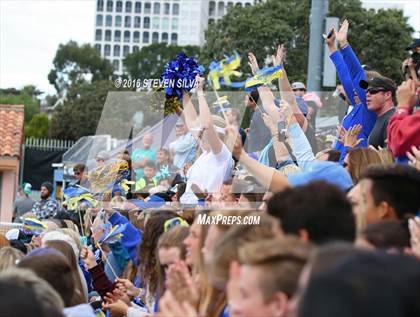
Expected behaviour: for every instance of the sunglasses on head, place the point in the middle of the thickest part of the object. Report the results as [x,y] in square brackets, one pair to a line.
[77,173]
[374,91]
[299,89]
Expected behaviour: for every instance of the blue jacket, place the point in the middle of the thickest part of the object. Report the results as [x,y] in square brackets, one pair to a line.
[350,73]
[131,235]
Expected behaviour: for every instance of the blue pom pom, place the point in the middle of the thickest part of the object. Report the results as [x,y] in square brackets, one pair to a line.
[179,75]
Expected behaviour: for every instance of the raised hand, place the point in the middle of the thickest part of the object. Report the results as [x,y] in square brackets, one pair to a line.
[269,123]
[342,33]
[414,227]
[330,41]
[253,63]
[180,283]
[200,82]
[234,141]
[350,138]
[278,58]
[415,157]
[406,94]
[169,306]
[127,287]
[117,308]
[88,258]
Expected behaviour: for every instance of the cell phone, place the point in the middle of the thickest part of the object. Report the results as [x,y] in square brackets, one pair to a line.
[330,33]
[281,126]
[84,240]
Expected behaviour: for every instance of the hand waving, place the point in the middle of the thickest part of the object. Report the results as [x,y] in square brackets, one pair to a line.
[278,58]
[253,63]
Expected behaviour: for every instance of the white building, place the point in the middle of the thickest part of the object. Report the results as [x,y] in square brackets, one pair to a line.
[124,26]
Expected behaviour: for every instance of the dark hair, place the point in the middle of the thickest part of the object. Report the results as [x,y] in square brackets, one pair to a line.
[319,208]
[19,301]
[365,285]
[154,228]
[80,167]
[254,95]
[66,249]
[53,267]
[333,155]
[150,164]
[387,234]
[398,185]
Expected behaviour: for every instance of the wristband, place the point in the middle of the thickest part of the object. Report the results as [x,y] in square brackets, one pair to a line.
[404,109]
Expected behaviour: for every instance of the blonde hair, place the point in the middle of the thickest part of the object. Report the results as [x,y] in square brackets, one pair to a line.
[370,74]
[226,248]
[386,156]
[280,262]
[359,159]
[9,257]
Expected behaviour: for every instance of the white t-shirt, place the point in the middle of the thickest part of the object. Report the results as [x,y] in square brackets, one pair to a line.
[209,172]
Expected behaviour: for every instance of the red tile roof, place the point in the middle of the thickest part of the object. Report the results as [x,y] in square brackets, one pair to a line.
[11,129]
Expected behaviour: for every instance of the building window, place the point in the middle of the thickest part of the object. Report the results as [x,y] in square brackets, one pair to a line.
[156,8]
[137,22]
[126,50]
[117,36]
[167,9]
[146,37]
[100,5]
[136,37]
[174,23]
[247,4]
[98,48]
[155,37]
[98,35]
[99,20]
[147,8]
[212,8]
[229,5]
[238,4]
[118,21]
[127,21]
[109,6]
[175,9]
[108,35]
[108,20]
[137,7]
[221,9]
[117,50]
[119,6]
[146,23]
[164,37]
[155,22]
[165,23]
[127,36]
[174,39]
[128,7]
[135,48]
[107,50]
[116,65]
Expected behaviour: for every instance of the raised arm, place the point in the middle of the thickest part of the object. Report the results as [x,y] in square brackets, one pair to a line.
[286,90]
[210,133]
[189,113]
[353,64]
[341,67]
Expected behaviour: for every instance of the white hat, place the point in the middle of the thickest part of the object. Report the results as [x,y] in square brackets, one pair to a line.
[57,235]
[298,85]
[12,234]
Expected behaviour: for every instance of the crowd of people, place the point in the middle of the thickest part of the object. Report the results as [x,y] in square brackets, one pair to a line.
[338,231]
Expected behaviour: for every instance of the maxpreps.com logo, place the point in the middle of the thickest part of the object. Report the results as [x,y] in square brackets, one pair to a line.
[204,219]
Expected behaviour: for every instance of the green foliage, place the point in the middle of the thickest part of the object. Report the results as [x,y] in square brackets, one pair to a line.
[27,97]
[38,127]
[259,29]
[379,38]
[74,64]
[80,113]
[149,62]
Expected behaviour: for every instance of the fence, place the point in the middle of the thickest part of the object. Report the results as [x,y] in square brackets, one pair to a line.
[38,155]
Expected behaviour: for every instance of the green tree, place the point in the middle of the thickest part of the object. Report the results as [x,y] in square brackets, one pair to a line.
[149,62]
[259,28]
[38,127]
[27,96]
[74,64]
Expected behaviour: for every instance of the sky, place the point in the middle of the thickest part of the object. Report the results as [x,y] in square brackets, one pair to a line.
[31,31]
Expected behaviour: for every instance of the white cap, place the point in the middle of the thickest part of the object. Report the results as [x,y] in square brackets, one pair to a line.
[12,234]
[298,85]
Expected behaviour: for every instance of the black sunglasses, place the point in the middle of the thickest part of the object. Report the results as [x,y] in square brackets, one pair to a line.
[299,89]
[374,91]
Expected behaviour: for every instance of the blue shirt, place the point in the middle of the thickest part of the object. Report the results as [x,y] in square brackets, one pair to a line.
[350,73]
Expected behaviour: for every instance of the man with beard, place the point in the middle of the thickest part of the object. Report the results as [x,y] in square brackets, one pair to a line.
[46,207]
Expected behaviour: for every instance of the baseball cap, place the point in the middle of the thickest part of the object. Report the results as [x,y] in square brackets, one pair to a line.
[416,43]
[298,85]
[330,172]
[27,188]
[379,82]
